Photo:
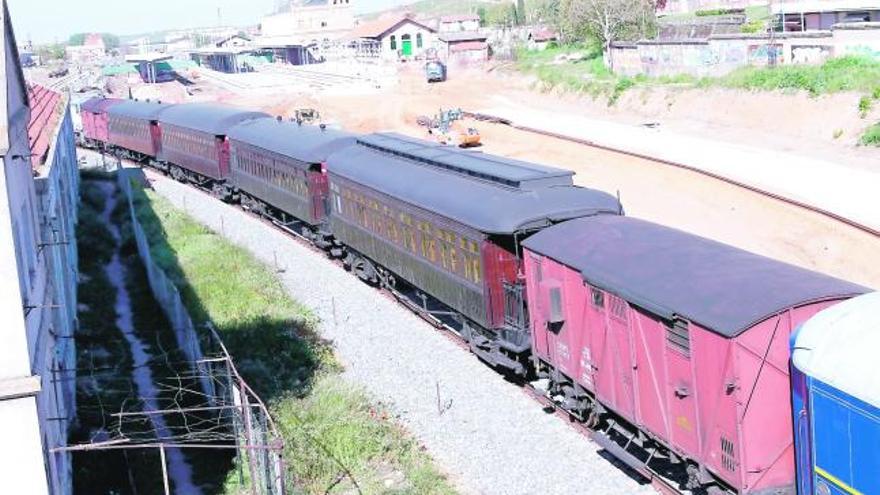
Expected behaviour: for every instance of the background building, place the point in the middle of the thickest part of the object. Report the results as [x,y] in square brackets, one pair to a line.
[813,15]
[310,21]
[38,274]
[397,37]
[92,51]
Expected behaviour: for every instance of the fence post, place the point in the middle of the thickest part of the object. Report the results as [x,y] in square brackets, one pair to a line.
[164,468]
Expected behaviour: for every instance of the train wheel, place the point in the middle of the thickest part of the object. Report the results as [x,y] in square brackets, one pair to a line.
[364,269]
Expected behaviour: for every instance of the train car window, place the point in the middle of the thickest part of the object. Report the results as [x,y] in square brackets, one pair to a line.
[453,259]
[598,297]
[476,269]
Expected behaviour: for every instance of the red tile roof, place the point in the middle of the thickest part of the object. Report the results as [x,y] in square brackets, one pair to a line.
[543,34]
[47,109]
[95,40]
[377,28]
[467,46]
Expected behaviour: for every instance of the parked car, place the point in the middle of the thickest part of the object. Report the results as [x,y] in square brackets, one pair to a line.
[435,71]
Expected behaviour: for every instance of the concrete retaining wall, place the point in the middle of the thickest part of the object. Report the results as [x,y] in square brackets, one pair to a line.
[721,54]
[167,295]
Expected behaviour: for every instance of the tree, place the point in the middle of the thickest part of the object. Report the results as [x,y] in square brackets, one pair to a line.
[605,21]
[78,39]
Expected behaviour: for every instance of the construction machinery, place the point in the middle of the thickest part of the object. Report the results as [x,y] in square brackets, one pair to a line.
[447,127]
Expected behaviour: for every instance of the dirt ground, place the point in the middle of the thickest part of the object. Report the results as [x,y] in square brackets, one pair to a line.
[673,197]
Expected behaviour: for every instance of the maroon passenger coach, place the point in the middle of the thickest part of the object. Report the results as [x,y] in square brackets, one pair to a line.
[449,222]
[279,168]
[134,128]
[195,145]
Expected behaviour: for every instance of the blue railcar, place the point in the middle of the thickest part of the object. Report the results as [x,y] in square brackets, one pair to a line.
[836,399]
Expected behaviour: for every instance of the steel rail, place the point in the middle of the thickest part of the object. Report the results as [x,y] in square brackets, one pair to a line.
[763,192]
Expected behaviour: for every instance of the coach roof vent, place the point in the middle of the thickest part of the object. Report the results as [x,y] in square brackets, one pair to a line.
[499,170]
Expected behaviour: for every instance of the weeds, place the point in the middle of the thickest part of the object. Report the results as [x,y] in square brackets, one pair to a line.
[866,103]
[330,429]
[850,73]
[580,68]
[871,137]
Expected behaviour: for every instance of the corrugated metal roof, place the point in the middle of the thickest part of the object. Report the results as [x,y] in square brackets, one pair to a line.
[673,273]
[143,110]
[839,346]
[462,36]
[47,110]
[481,204]
[99,104]
[306,143]
[467,46]
[210,118]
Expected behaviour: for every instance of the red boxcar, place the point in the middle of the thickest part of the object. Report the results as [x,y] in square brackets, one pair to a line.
[194,139]
[684,338]
[134,126]
[95,132]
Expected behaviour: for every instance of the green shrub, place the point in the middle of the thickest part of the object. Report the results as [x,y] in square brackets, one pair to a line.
[866,103]
[871,137]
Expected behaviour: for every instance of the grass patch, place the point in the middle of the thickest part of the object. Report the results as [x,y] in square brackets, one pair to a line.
[580,68]
[329,428]
[871,137]
[850,73]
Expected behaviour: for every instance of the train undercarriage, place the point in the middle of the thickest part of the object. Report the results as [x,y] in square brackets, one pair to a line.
[638,450]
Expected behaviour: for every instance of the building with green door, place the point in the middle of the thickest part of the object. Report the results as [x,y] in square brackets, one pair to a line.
[398,37]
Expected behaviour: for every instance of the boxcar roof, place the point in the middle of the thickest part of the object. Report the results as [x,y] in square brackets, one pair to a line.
[143,110]
[506,171]
[673,273]
[839,346]
[99,105]
[483,205]
[306,143]
[207,117]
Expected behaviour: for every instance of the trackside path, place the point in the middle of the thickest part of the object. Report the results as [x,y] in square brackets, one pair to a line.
[486,433]
[846,191]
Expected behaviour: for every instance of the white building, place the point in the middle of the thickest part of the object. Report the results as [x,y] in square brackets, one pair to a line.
[458,23]
[309,21]
[398,37]
[38,272]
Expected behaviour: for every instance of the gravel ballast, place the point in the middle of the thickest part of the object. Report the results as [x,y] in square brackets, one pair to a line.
[486,433]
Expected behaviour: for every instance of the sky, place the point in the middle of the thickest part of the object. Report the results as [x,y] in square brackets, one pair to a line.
[47,21]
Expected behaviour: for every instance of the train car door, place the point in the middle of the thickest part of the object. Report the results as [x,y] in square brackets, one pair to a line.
[223,156]
[682,400]
[614,361]
[319,192]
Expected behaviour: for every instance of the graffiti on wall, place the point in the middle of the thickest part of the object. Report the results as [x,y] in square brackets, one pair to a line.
[810,54]
[765,54]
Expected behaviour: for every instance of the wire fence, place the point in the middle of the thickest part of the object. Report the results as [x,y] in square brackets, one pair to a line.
[202,402]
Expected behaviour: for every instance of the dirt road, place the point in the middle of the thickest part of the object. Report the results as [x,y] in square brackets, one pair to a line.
[677,198]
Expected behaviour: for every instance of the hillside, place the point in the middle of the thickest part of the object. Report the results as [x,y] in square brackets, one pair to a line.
[433,8]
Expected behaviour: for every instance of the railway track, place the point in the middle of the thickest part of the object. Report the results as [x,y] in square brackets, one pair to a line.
[757,190]
[660,484]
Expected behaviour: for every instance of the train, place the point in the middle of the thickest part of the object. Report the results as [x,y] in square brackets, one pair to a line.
[836,399]
[671,348]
